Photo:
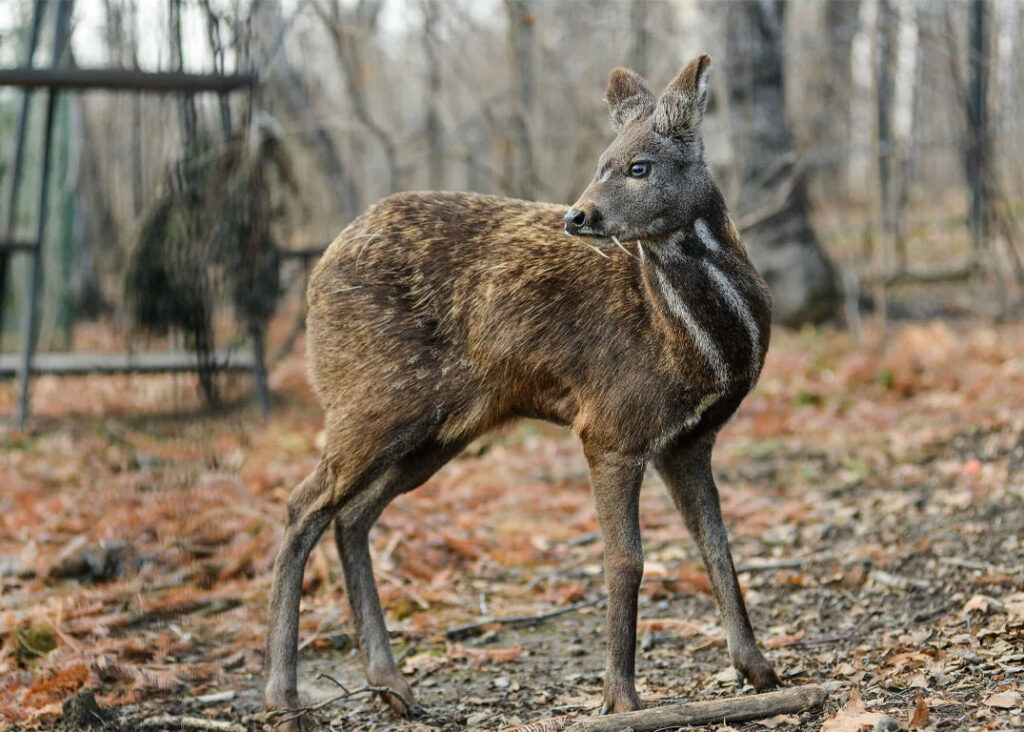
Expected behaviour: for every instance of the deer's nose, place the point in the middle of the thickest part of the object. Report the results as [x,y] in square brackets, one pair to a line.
[575,219]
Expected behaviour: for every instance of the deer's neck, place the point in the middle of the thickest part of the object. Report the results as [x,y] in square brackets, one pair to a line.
[712,301]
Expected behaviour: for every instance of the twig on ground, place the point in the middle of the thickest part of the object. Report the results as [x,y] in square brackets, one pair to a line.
[770,566]
[972,564]
[222,696]
[895,580]
[584,539]
[462,631]
[825,640]
[852,634]
[551,724]
[287,715]
[733,709]
[173,721]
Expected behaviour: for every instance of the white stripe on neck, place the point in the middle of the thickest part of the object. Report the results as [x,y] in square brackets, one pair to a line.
[732,298]
[739,306]
[704,343]
[706,237]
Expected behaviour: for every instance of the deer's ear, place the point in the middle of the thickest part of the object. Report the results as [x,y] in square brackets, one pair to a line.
[629,98]
[680,109]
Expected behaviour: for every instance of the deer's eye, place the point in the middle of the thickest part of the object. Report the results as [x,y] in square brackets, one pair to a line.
[639,169]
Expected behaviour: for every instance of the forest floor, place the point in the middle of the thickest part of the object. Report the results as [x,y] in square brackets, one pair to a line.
[874,494]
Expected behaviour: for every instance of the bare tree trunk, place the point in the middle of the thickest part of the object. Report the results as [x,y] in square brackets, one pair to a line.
[136,141]
[973,93]
[842,20]
[476,153]
[187,105]
[283,84]
[773,204]
[886,23]
[639,40]
[343,40]
[979,143]
[521,22]
[435,142]
[202,338]
[217,49]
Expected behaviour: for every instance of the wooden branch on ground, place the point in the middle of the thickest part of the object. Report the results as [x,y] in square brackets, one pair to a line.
[982,566]
[733,709]
[771,566]
[767,210]
[173,721]
[282,716]
[931,276]
[465,630]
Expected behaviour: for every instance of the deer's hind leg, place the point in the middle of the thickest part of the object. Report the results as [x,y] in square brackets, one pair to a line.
[358,455]
[351,534]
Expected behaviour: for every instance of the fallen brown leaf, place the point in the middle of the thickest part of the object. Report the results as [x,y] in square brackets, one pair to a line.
[551,724]
[779,641]
[919,717]
[851,718]
[1005,700]
[918,681]
[678,626]
[482,656]
[1015,606]
[983,604]
[780,720]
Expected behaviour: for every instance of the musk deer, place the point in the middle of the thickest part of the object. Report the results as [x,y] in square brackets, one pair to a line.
[437,316]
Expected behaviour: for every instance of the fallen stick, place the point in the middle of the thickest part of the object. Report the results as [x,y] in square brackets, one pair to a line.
[172,721]
[733,709]
[280,716]
[897,581]
[222,696]
[464,630]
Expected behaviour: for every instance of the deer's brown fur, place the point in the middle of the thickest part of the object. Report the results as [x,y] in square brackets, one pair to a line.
[435,317]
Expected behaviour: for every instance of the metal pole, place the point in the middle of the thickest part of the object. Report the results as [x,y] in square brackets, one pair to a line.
[11,213]
[31,315]
[161,82]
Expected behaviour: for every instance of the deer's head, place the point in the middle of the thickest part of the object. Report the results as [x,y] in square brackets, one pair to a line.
[652,178]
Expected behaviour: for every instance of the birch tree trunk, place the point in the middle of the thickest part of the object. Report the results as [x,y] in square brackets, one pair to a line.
[772,209]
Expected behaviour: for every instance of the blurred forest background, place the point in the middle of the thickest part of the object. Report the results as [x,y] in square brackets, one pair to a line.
[872,153]
[887,132]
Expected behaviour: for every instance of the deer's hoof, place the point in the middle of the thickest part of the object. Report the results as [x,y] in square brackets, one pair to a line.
[396,691]
[287,718]
[760,675]
[621,700]
[291,725]
[282,712]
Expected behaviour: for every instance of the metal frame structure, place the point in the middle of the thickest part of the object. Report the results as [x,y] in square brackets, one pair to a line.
[53,79]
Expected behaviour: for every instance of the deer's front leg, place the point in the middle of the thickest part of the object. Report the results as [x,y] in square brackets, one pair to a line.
[616,479]
[686,470]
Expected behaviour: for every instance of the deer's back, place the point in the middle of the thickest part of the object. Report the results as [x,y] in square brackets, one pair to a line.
[471,309]
[475,304]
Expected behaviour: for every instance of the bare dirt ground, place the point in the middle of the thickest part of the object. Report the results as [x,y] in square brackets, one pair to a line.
[874,493]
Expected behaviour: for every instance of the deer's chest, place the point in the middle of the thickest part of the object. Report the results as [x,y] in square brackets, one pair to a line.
[715,324]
